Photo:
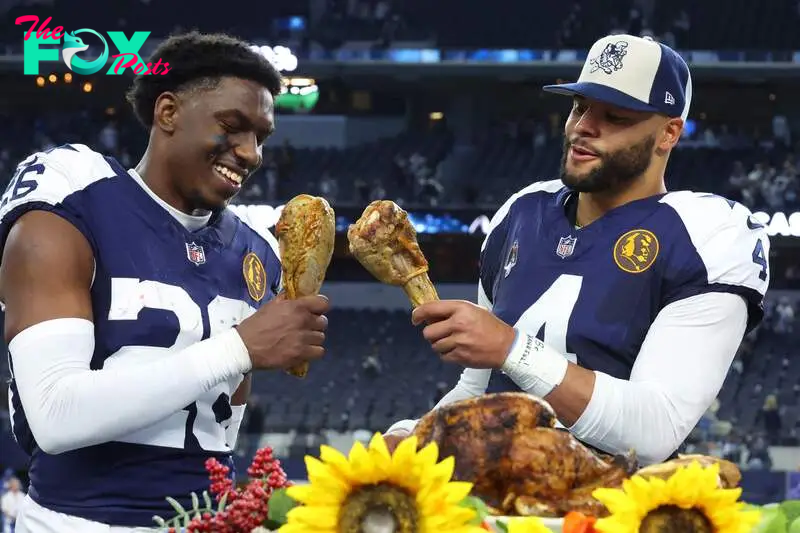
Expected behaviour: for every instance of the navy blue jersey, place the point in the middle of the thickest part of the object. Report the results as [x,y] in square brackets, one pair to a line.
[593,293]
[157,288]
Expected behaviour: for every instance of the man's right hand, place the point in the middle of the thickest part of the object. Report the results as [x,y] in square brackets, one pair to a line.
[284,333]
[394,439]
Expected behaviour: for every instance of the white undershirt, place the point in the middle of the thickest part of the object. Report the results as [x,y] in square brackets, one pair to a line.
[677,374]
[191,222]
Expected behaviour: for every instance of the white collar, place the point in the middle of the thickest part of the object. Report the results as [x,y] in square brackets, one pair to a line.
[190,222]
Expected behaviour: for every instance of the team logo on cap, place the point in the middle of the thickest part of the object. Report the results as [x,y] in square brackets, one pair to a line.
[610,59]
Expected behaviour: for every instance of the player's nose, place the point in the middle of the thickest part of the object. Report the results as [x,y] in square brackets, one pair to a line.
[248,152]
[588,123]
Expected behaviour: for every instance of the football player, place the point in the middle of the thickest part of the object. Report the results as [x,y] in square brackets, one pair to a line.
[618,302]
[136,303]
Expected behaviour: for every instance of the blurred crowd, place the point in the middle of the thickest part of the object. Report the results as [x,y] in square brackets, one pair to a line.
[11,496]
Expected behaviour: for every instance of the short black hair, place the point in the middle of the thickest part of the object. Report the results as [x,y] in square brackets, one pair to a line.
[199,60]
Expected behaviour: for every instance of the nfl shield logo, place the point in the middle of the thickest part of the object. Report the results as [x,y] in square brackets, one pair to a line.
[566,245]
[195,253]
[512,259]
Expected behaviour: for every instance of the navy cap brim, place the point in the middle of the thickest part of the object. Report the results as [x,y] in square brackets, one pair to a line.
[601,93]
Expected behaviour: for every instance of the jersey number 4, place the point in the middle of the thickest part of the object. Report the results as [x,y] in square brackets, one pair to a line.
[760,258]
[201,425]
[552,312]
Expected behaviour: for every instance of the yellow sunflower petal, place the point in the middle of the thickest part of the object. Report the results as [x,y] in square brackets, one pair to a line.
[616,500]
[427,456]
[336,460]
[443,471]
[325,477]
[380,456]
[526,524]
[377,444]
[456,491]
[314,516]
[309,494]
[404,471]
[617,524]
[362,465]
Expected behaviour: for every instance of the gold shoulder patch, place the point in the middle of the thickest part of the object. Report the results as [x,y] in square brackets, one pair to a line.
[636,251]
[254,276]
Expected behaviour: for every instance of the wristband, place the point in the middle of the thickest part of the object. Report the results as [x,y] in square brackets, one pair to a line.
[535,367]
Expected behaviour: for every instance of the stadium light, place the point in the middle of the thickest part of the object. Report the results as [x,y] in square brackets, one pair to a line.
[40,81]
[68,77]
[87,87]
[52,78]
[281,57]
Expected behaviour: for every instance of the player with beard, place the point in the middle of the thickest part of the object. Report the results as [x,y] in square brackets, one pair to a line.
[618,302]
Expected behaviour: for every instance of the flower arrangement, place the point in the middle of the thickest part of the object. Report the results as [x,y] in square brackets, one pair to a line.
[261,503]
[411,491]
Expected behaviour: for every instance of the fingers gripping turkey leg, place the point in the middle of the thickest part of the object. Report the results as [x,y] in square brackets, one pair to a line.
[306,232]
[385,243]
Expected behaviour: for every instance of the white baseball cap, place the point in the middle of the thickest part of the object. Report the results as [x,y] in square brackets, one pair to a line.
[634,73]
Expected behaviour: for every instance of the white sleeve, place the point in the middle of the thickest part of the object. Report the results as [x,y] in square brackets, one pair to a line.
[473,382]
[678,372]
[69,406]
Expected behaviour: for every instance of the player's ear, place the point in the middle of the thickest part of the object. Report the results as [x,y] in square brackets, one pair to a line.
[165,112]
[670,134]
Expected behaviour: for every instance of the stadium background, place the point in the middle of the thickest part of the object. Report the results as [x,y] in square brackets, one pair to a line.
[437,105]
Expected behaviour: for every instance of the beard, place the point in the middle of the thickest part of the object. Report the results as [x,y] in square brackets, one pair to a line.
[615,171]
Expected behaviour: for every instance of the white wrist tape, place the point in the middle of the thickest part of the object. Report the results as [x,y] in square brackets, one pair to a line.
[535,367]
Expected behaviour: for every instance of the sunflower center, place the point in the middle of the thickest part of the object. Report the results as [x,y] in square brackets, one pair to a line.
[673,519]
[379,509]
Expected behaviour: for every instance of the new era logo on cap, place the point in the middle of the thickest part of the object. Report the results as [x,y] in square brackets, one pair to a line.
[635,73]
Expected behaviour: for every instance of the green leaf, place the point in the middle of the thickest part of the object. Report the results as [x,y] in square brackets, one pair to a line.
[502,526]
[791,508]
[477,505]
[222,502]
[773,520]
[280,503]
[177,506]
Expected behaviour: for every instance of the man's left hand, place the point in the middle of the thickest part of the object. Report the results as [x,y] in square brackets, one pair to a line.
[465,333]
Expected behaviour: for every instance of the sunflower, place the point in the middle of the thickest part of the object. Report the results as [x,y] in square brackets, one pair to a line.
[528,524]
[689,501]
[405,492]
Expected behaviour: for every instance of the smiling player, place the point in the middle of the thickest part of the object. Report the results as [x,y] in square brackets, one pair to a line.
[620,303]
[136,303]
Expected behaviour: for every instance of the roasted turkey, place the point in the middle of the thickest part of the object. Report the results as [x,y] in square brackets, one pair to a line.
[507,445]
[306,233]
[385,243]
